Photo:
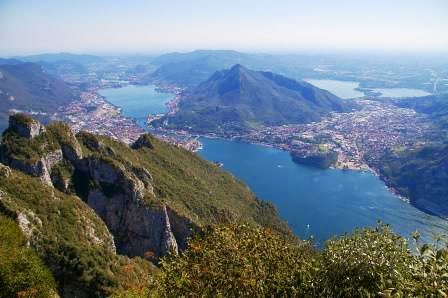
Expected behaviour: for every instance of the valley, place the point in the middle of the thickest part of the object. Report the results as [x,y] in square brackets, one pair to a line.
[118,107]
[343,198]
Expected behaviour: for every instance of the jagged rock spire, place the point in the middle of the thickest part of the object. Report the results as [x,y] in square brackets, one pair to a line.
[168,242]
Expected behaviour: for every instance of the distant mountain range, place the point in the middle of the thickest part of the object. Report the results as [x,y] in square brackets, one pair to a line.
[25,86]
[58,57]
[238,99]
[190,69]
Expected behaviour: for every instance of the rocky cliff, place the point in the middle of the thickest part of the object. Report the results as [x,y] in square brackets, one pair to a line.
[151,196]
[115,191]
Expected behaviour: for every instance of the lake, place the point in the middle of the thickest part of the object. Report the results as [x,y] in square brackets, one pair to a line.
[331,202]
[346,89]
[342,89]
[401,92]
[137,101]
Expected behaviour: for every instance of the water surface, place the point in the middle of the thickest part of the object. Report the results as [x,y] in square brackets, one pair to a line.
[137,101]
[342,89]
[346,89]
[331,202]
[401,92]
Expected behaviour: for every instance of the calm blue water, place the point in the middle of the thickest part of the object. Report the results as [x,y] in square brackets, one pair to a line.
[401,92]
[137,101]
[346,89]
[342,89]
[332,202]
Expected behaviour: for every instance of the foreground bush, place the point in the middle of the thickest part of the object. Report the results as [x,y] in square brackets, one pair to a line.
[22,273]
[237,261]
[364,263]
[429,271]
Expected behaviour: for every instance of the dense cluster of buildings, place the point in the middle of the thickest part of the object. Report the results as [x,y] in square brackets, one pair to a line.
[92,113]
[360,137]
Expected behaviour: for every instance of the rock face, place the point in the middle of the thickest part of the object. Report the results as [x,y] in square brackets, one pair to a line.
[5,171]
[40,168]
[71,150]
[168,242]
[119,192]
[25,126]
[144,141]
[118,200]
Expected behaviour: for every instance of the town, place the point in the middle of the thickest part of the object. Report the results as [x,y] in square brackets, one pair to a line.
[360,137]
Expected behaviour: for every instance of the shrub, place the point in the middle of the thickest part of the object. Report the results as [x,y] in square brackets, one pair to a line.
[241,260]
[364,263]
[430,271]
[238,260]
[22,272]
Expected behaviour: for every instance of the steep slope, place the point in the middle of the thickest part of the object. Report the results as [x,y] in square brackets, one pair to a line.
[66,233]
[435,106]
[151,196]
[239,99]
[21,269]
[26,87]
[420,174]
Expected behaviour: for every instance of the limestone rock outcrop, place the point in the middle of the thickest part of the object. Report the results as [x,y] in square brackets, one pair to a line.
[144,141]
[119,192]
[168,242]
[25,126]
[40,168]
[119,200]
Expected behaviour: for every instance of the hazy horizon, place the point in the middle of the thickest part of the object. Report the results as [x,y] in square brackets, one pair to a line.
[286,26]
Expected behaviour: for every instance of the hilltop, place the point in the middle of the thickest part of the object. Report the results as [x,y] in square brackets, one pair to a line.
[238,99]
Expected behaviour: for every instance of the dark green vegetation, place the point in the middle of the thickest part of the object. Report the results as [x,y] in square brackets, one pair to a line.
[421,173]
[239,99]
[322,160]
[26,87]
[74,242]
[436,107]
[21,269]
[193,187]
[68,236]
[240,247]
[243,261]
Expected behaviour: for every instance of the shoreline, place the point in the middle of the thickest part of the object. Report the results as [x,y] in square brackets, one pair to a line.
[193,137]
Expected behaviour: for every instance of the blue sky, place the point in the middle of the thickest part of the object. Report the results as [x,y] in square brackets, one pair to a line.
[256,25]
